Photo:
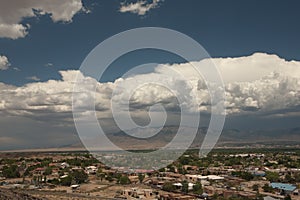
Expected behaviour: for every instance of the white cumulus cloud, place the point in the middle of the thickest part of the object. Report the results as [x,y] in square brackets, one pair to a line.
[257,83]
[13,31]
[139,7]
[13,12]
[33,78]
[4,63]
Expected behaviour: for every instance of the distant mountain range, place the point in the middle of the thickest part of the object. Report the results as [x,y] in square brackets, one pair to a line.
[228,138]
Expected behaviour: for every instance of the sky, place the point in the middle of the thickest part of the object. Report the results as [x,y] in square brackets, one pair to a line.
[254,44]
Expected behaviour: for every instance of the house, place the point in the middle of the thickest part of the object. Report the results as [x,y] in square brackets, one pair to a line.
[55,170]
[53,164]
[284,188]
[190,167]
[63,176]
[171,175]
[39,171]
[91,170]
[215,178]
[195,178]
[76,168]
[259,173]
[191,177]
[204,182]
[190,186]
[178,185]
[74,187]
[139,193]
[250,184]
[210,190]
[64,165]
[134,179]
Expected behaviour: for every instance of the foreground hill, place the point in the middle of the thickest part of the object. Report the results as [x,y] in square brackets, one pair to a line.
[6,194]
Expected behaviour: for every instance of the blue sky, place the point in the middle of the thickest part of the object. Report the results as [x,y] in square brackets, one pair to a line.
[224,28]
[42,45]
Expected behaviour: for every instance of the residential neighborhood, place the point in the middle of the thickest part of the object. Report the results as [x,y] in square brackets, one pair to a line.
[228,174]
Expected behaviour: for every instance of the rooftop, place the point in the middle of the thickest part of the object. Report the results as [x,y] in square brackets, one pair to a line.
[283,186]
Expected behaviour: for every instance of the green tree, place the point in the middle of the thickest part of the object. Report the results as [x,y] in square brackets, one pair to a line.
[67,181]
[272,176]
[297,176]
[141,177]
[181,170]
[184,160]
[10,171]
[79,176]
[267,188]
[54,181]
[185,187]
[289,179]
[124,180]
[255,187]
[109,178]
[48,171]
[100,174]
[169,187]
[244,175]
[197,188]
[171,168]
[162,170]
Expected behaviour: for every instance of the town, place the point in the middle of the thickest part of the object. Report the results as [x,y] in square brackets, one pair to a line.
[223,174]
